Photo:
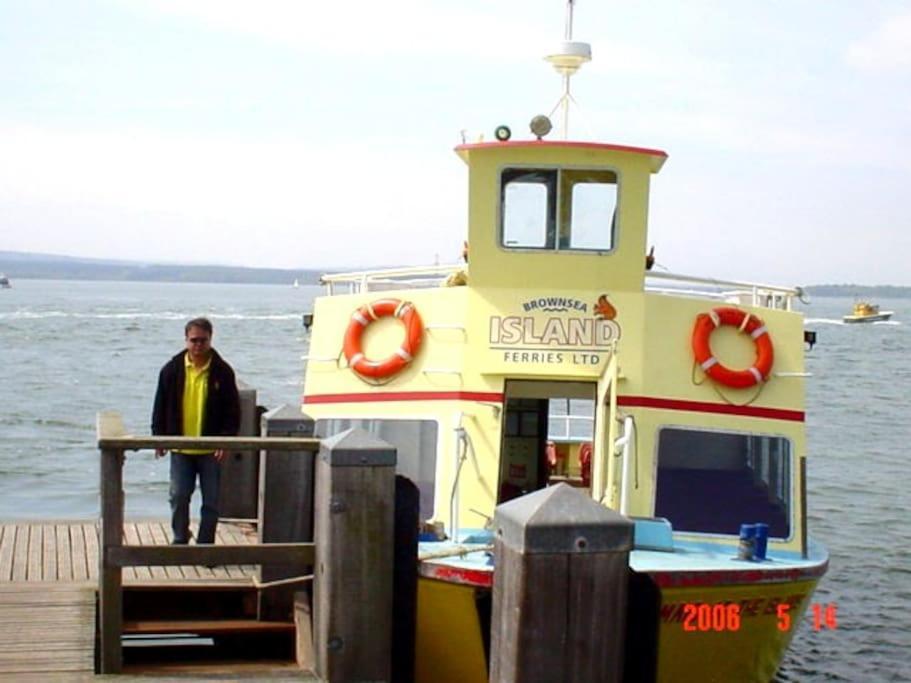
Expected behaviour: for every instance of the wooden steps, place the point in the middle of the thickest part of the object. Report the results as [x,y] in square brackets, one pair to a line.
[206,627]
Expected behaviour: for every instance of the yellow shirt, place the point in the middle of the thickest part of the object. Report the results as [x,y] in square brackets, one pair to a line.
[195,392]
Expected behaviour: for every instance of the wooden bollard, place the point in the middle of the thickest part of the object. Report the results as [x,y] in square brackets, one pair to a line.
[559,589]
[353,528]
[285,506]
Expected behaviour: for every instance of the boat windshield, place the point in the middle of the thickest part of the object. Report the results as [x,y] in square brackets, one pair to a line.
[558,209]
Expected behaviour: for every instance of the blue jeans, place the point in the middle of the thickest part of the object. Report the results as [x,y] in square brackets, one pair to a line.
[184,469]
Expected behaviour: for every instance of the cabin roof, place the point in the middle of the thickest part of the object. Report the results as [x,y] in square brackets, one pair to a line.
[657,156]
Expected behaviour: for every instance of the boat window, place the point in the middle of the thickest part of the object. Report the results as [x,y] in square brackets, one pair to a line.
[528,198]
[712,482]
[592,203]
[416,444]
[581,216]
[570,419]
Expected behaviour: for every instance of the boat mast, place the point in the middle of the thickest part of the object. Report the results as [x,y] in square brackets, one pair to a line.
[567,59]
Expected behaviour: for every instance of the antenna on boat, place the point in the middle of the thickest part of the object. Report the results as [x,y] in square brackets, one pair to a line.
[567,59]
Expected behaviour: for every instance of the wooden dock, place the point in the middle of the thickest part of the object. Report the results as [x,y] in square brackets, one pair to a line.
[66,552]
[48,590]
[46,629]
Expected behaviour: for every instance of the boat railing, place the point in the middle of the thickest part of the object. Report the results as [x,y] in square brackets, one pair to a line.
[731,291]
[676,284]
[389,278]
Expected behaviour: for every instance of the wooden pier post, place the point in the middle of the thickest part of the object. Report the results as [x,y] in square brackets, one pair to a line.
[285,509]
[239,489]
[352,591]
[559,590]
[110,597]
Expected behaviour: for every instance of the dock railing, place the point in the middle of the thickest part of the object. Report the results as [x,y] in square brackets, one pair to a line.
[350,454]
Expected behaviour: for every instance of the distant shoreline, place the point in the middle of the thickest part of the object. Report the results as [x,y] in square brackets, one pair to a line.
[30,266]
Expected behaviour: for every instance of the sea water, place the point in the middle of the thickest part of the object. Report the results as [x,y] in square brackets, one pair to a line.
[71,349]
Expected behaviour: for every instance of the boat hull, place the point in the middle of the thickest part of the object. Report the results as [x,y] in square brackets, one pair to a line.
[453,638]
[867,318]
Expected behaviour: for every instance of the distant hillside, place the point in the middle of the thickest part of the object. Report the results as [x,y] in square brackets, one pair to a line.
[24,265]
[860,291]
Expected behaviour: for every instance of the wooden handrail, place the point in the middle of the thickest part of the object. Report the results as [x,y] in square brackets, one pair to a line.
[354,490]
[113,436]
[113,441]
[233,443]
[177,555]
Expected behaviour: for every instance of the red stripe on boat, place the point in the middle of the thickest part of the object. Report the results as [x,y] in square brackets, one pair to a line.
[728,577]
[563,143]
[405,396]
[468,577]
[669,579]
[704,407]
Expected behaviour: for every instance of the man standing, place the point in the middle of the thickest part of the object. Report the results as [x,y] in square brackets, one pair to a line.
[196,396]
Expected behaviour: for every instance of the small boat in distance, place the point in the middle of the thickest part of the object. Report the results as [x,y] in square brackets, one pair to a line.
[865,312]
[4,282]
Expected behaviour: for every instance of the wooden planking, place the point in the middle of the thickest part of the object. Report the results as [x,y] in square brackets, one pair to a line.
[144,532]
[90,532]
[64,553]
[7,541]
[78,553]
[67,552]
[131,537]
[63,615]
[49,553]
[20,554]
[156,534]
[35,551]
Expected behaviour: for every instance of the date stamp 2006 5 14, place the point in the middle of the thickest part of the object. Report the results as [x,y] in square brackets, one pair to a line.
[722,617]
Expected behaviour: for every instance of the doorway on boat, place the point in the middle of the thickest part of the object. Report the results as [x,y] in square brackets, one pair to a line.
[548,429]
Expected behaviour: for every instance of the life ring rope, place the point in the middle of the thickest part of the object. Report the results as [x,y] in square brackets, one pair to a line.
[746,323]
[374,371]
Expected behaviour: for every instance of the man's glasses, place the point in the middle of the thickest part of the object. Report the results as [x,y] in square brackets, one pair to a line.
[198,340]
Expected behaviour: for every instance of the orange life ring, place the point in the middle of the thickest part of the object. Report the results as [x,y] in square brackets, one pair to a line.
[366,314]
[745,322]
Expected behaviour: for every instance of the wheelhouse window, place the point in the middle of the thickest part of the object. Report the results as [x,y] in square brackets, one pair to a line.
[558,209]
[416,449]
[712,482]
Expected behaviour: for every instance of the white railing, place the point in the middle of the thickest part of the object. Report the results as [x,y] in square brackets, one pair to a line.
[390,278]
[732,291]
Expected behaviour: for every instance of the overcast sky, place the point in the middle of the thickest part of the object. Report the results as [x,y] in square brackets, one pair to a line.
[318,135]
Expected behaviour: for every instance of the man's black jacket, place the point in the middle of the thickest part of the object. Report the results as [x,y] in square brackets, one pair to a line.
[222,412]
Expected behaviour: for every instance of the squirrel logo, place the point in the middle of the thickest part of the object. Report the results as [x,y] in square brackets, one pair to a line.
[604,309]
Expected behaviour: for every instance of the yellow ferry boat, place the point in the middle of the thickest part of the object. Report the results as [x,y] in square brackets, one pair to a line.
[865,312]
[554,354]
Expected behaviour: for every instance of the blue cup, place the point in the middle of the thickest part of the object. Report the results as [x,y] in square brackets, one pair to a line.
[762,540]
[747,548]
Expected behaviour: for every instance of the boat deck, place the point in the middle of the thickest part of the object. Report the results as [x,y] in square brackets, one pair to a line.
[66,552]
